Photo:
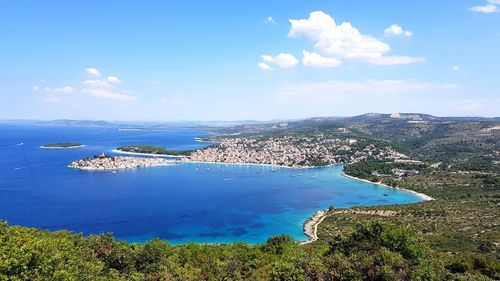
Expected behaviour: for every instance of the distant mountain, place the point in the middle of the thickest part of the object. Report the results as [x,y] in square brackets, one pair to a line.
[87,123]
[369,117]
[255,125]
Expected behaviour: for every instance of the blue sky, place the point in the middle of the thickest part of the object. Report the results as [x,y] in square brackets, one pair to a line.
[235,60]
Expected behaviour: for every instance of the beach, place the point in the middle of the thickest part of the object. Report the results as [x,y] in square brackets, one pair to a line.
[424,197]
[311,225]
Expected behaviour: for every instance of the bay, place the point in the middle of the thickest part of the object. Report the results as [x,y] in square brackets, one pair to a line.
[203,203]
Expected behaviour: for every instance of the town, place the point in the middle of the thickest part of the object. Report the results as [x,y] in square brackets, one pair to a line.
[104,162]
[294,151]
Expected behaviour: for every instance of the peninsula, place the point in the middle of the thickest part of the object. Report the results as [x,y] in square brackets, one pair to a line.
[62,145]
[151,150]
[103,162]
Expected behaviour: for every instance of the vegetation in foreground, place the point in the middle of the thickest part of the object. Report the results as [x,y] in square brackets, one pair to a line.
[375,251]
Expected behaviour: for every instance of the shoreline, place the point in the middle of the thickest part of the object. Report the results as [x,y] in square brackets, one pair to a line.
[255,164]
[60,147]
[117,169]
[310,226]
[423,196]
[198,139]
[145,154]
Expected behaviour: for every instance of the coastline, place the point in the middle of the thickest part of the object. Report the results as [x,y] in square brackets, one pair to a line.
[57,147]
[423,196]
[145,154]
[198,139]
[310,226]
[116,169]
[252,164]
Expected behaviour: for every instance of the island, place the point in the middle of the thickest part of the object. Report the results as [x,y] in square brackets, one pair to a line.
[104,162]
[151,150]
[62,145]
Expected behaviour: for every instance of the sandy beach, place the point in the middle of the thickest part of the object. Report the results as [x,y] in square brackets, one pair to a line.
[424,197]
[311,225]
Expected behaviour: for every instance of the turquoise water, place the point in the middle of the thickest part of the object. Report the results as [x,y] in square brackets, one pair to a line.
[209,203]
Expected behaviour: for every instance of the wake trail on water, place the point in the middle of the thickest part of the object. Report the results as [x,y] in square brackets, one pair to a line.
[26,167]
[25,156]
[12,145]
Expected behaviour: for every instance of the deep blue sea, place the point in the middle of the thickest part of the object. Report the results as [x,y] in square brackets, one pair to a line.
[211,203]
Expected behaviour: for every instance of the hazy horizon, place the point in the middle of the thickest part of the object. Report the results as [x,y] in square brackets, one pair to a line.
[238,120]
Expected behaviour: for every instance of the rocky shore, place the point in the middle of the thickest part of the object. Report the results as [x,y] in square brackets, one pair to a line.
[103,162]
[311,226]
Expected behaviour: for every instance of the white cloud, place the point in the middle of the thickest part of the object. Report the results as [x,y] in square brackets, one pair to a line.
[114,80]
[343,41]
[455,68]
[270,20]
[63,90]
[490,7]
[336,88]
[264,66]
[93,72]
[96,83]
[283,60]
[108,94]
[338,40]
[267,58]
[106,89]
[318,61]
[487,9]
[49,90]
[52,95]
[397,30]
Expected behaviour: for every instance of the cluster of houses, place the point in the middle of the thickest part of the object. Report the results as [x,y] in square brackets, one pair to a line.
[292,151]
[103,162]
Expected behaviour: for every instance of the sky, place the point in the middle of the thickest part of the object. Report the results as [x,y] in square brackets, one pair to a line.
[247,60]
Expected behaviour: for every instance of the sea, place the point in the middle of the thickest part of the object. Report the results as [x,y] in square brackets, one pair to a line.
[189,202]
